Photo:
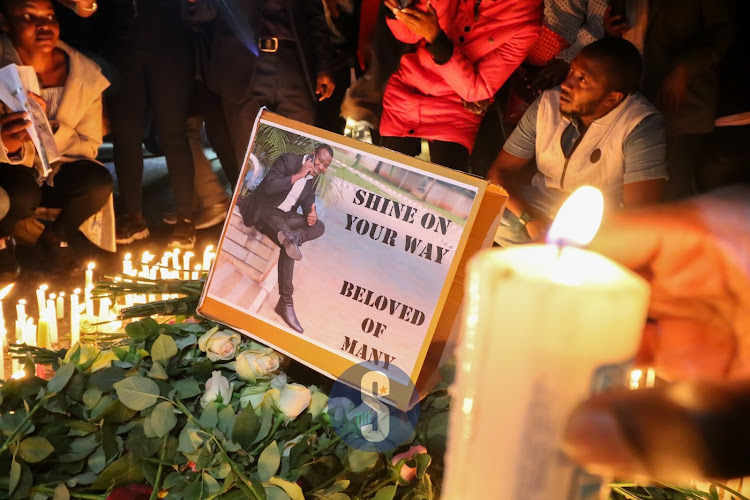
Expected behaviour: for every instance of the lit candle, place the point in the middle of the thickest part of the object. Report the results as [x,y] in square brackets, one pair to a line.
[43,333]
[186,264]
[74,301]
[21,311]
[88,287]
[4,293]
[197,272]
[41,300]
[104,304]
[165,259]
[75,318]
[60,306]
[547,324]
[127,264]
[51,316]
[145,259]
[176,258]
[3,331]
[207,257]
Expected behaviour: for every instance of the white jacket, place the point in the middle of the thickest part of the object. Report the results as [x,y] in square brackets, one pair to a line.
[80,114]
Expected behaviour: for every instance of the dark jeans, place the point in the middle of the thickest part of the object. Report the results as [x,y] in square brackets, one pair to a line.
[273,220]
[160,77]
[279,84]
[208,105]
[80,189]
[448,154]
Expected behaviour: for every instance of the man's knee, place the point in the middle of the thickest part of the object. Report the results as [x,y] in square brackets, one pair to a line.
[99,185]
[25,195]
[316,230]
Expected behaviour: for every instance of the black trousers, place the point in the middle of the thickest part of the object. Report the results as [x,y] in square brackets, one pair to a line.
[279,84]
[447,154]
[273,220]
[208,105]
[160,77]
[80,189]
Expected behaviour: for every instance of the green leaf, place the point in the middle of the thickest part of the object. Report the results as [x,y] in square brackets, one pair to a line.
[137,393]
[140,445]
[97,461]
[91,397]
[269,462]
[210,483]
[61,493]
[158,372]
[291,489]
[164,349]
[187,388]
[163,418]
[423,461]
[337,487]
[61,378]
[190,340]
[35,449]
[190,440]
[246,427]
[15,475]
[107,378]
[103,407]
[361,461]
[386,492]
[275,493]
[266,420]
[210,416]
[143,329]
[226,420]
[124,470]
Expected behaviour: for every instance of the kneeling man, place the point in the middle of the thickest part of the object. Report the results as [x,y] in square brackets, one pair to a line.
[596,130]
[272,208]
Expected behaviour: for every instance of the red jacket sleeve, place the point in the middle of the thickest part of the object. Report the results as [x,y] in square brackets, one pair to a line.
[476,82]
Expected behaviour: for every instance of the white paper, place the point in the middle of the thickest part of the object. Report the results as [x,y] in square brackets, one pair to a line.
[13,94]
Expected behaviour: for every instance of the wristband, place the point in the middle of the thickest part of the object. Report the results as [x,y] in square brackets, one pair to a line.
[93,8]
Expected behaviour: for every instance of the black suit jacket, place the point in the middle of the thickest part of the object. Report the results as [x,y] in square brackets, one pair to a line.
[274,187]
[232,65]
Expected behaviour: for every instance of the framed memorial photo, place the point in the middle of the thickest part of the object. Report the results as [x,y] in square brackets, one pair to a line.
[342,254]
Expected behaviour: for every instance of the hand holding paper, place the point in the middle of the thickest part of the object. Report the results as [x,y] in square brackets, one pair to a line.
[13,130]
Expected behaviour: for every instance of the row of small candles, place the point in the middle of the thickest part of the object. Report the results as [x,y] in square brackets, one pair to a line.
[173,265]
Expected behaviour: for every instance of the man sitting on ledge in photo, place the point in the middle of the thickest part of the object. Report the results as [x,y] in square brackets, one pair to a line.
[596,130]
[272,209]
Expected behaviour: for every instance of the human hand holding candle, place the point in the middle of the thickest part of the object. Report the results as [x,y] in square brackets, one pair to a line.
[544,325]
[696,254]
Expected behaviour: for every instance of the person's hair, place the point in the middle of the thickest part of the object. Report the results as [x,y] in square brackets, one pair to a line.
[320,146]
[5,6]
[624,62]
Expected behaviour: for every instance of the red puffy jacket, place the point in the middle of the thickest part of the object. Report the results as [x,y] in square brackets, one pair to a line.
[424,99]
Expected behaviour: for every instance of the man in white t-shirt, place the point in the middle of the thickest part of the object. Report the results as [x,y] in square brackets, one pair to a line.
[273,209]
[596,130]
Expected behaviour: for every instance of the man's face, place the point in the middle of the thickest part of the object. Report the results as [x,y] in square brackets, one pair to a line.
[32,25]
[321,161]
[584,89]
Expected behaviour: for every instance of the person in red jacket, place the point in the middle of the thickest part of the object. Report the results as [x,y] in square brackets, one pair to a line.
[465,53]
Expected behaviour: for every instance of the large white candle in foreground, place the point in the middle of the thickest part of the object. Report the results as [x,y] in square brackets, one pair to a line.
[544,326]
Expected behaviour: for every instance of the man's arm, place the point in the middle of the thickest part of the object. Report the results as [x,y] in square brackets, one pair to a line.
[281,176]
[645,152]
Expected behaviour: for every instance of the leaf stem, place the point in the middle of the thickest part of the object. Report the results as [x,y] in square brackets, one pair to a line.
[25,420]
[235,468]
[162,457]
[73,494]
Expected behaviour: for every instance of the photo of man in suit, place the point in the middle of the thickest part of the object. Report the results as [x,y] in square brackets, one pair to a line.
[273,209]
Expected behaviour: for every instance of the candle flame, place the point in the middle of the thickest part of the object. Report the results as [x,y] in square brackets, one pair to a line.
[22,302]
[209,248]
[197,267]
[91,266]
[579,218]
[5,291]
[635,378]
[128,256]
[18,375]
[189,254]
[43,288]
[52,296]
[77,291]
[61,294]
[176,251]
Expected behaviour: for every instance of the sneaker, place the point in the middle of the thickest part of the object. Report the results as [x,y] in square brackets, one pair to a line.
[204,218]
[183,235]
[9,268]
[130,228]
[212,215]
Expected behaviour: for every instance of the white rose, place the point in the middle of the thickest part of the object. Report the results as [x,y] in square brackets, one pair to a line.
[217,386]
[290,399]
[255,363]
[219,345]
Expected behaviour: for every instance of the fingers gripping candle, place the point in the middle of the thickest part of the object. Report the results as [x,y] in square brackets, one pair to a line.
[544,326]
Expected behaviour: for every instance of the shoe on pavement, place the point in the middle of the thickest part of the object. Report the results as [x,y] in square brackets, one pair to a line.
[204,218]
[183,235]
[130,228]
[286,311]
[290,242]
[9,268]
[211,215]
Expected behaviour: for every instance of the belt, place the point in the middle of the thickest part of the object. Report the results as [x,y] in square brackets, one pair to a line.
[273,44]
